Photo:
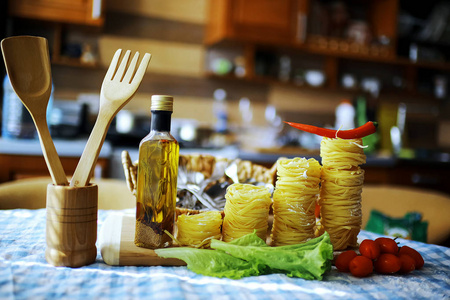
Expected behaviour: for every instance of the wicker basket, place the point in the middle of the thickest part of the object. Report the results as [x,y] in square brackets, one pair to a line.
[204,164]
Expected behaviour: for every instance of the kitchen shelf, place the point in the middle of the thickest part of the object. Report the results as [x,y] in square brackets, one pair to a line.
[443,66]
[231,26]
[339,47]
[60,31]
[331,68]
[385,55]
[73,62]
[273,81]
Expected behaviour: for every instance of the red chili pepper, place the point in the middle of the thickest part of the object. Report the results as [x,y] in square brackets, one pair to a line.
[360,132]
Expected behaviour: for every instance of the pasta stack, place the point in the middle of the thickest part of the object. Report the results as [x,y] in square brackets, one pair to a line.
[246,209]
[197,230]
[294,200]
[341,187]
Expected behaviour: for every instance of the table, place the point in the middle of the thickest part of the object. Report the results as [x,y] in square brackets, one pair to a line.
[24,274]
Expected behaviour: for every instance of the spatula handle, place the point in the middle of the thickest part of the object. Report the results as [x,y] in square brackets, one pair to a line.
[50,155]
[88,160]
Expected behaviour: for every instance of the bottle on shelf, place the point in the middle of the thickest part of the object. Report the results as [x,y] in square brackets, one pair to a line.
[17,122]
[220,111]
[364,114]
[246,110]
[345,116]
[157,178]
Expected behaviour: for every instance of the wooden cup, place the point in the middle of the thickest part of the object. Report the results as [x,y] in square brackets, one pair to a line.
[71,229]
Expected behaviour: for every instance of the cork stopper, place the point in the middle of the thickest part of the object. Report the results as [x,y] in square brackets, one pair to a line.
[162,102]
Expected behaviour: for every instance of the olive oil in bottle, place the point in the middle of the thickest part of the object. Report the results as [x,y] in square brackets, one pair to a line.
[157,179]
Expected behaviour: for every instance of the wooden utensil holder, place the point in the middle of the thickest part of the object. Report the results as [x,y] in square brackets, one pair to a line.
[71,229]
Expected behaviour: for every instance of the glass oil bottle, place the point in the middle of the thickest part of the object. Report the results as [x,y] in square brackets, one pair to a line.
[157,179]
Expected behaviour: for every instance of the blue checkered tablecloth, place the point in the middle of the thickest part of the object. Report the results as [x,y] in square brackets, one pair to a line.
[24,274]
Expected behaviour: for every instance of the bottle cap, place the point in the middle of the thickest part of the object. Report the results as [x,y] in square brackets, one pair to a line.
[162,102]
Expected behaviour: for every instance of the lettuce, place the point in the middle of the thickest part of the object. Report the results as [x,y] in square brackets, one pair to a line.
[250,256]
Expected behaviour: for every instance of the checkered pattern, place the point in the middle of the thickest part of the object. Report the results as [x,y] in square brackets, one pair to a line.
[25,274]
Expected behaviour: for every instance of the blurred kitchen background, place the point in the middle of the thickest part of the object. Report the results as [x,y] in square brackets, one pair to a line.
[237,69]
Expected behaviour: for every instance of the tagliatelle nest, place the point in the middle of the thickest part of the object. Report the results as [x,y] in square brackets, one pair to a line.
[204,164]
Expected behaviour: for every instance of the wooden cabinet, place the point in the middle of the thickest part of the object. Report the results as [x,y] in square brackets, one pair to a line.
[61,18]
[307,25]
[85,12]
[302,29]
[298,28]
[259,21]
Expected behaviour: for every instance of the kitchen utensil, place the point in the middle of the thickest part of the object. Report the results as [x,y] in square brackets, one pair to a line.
[71,226]
[371,85]
[315,78]
[232,172]
[190,181]
[28,67]
[396,139]
[349,81]
[117,89]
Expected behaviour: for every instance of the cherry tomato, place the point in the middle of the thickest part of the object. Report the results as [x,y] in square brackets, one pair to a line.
[408,263]
[387,245]
[342,262]
[387,263]
[369,249]
[361,266]
[414,254]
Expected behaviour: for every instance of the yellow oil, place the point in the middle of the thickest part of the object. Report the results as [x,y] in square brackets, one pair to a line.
[156,192]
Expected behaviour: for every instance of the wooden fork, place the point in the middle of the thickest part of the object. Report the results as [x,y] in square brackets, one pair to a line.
[117,90]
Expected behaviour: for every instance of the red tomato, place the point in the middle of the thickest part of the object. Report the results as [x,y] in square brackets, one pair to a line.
[387,263]
[369,249]
[361,266]
[387,245]
[408,263]
[414,254]
[342,262]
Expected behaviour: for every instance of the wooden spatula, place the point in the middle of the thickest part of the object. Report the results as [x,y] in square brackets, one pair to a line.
[28,67]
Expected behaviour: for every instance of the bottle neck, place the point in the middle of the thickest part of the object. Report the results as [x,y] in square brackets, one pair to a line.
[161,120]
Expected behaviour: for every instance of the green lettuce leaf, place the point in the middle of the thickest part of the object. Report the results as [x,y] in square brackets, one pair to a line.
[251,239]
[309,260]
[251,256]
[211,262]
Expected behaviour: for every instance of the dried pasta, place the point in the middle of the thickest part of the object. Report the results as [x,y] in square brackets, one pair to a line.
[246,209]
[197,230]
[294,200]
[342,154]
[340,193]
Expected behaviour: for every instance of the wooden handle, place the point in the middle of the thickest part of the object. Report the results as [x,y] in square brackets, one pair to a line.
[48,149]
[88,160]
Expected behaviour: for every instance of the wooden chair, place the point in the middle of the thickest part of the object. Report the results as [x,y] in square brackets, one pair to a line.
[396,201]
